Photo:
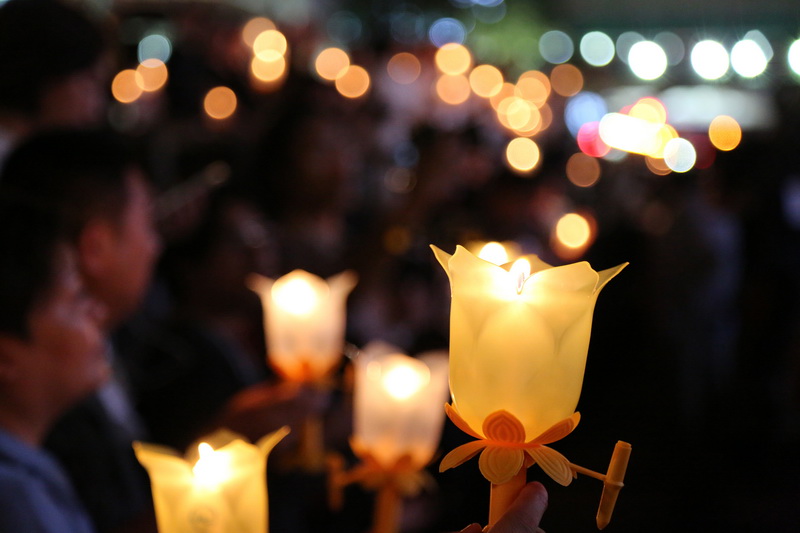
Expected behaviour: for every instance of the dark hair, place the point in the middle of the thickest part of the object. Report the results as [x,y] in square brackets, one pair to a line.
[29,242]
[77,174]
[42,41]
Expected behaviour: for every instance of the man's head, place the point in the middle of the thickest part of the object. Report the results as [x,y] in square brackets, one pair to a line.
[102,200]
[51,349]
[51,56]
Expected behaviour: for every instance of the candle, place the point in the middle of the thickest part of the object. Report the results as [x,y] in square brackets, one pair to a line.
[519,337]
[304,320]
[220,487]
[398,422]
[397,405]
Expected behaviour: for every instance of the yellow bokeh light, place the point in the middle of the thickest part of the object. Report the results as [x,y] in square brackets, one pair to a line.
[331,63]
[650,109]
[269,45]
[268,71]
[220,103]
[254,27]
[635,135]
[486,80]
[566,80]
[126,87]
[453,89]
[152,74]
[403,381]
[404,68]
[494,252]
[353,82]
[725,133]
[657,166]
[453,59]
[506,91]
[583,170]
[534,86]
[519,115]
[573,230]
[522,154]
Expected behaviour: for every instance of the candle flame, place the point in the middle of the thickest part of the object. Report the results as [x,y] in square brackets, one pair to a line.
[297,296]
[403,381]
[520,272]
[494,252]
[212,468]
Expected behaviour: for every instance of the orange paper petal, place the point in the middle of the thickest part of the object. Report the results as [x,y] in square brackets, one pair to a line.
[559,430]
[502,426]
[499,464]
[460,423]
[553,463]
[463,453]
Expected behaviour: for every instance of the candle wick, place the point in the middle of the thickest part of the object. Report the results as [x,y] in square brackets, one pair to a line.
[521,277]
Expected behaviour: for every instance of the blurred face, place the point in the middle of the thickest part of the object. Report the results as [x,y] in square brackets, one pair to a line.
[134,253]
[67,353]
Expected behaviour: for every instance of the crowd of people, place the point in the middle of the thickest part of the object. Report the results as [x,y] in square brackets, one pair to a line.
[129,238]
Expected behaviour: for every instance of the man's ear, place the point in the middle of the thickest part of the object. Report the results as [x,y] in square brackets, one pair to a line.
[95,247]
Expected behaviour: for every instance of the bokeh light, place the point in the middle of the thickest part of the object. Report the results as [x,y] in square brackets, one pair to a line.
[152,74]
[584,107]
[453,59]
[270,45]
[710,60]
[506,91]
[566,80]
[154,46]
[650,109]
[254,27]
[453,90]
[404,68]
[126,87]
[354,82]
[556,47]
[597,48]
[589,141]
[635,135]
[268,71]
[220,103]
[331,63]
[725,133]
[625,41]
[344,27]
[793,56]
[447,30]
[573,230]
[533,86]
[680,155]
[657,166]
[522,154]
[486,80]
[647,60]
[494,252]
[672,45]
[748,59]
[583,170]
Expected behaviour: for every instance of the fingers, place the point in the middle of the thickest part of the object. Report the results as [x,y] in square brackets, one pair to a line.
[526,512]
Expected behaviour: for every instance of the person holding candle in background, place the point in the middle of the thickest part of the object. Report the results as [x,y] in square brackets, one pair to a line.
[51,357]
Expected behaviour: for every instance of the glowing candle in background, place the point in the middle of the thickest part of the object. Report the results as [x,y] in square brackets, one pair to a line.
[220,487]
[304,320]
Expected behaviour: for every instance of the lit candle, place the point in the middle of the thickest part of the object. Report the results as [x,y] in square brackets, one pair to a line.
[398,421]
[222,491]
[519,337]
[304,320]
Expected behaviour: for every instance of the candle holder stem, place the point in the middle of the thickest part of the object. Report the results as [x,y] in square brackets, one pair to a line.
[503,495]
[388,504]
[312,448]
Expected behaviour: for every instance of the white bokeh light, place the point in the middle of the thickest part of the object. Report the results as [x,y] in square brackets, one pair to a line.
[556,47]
[597,48]
[710,59]
[647,60]
[793,57]
[680,155]
[748,59]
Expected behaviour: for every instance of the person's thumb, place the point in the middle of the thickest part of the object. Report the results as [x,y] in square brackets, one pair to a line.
[526,512]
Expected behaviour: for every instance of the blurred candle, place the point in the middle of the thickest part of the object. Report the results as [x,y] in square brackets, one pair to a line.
[398,423]
[223,491]
[304,320]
